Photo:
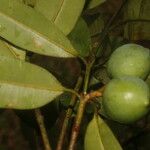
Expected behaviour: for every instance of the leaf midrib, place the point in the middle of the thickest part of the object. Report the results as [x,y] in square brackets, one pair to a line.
[31,86]
[58,12]
[97,124]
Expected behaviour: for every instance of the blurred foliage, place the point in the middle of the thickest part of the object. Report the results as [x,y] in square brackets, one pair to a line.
[11,137]
[122,30]
[137,30]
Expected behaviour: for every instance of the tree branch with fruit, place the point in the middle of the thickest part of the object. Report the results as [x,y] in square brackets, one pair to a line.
[65,58]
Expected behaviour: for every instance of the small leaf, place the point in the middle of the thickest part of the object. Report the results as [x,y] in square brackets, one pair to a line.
[99,136]
[80,38]
[64,13]
[26,86]
[94,3]
[28,29]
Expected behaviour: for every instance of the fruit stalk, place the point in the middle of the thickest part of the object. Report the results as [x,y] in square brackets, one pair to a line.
[81,108]
[80,113]
[68,115]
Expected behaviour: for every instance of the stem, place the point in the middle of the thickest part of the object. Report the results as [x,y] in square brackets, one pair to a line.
[67,117]
[82,59]
[83,100]
[76,126]
[87,76]
[40,121]
[80,113]
[73,92]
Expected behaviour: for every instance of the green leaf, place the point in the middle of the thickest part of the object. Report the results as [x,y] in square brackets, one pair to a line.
[28,29]
[137,10]
[11,51]
[4,49]
[26,86]
[94,3]
[99,136]
[30,2]
[64,13]
[80,38]
[20,1]
[18,53]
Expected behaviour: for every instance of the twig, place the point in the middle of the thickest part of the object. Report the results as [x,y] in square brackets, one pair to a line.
[76,126]
[80,113]
[68,115]
[83,100]
[87,76]
[72,91]
[81,108]
[44,135]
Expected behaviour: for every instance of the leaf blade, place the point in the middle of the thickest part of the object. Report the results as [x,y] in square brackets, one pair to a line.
[26,86]
[92,137]
[99,136]
[80,38]
[36,34]
[94,3]
[4,49]
[64,13]
[18,53]
[11,51]
[108,139]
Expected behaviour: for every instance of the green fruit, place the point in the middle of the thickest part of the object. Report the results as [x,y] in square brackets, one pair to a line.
[126,99]
[129,59]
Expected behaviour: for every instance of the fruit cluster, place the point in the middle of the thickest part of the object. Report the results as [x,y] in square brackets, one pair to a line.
[126,97]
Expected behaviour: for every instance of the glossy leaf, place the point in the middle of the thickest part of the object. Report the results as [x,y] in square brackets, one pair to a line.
[94,3]
[64,13]
[28,29]
[137,10]
[26,86]
[99,136]
[80,38]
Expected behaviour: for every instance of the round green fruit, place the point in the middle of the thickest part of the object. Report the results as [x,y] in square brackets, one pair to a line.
[126,99]
[129,59]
